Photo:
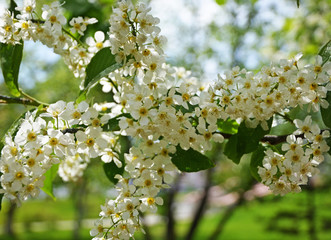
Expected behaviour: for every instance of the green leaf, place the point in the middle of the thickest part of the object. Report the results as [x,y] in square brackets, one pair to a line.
[13,129]
[110,169]
[113,123]
[245,141]
[302,112]
[221,2]
[283,129]
[325,52]
[326,112]
[190,160]
[48,182]
[12,7]
[11,57]
[102,63]
[256,161]
[228,126]
[298,3]
[1,196]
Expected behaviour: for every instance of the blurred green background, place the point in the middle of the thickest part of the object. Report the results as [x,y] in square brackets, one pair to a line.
[206,37]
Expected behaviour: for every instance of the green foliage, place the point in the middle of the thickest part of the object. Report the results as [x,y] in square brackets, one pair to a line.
[298,3]
[113,123]
[191,160]
[102,63]
[283,129]
[326,112]
[228,126]
[12,7]
[110,169]
[245,141]
[325,52]
[48,182]
[256,161]
[221,2]
[11,57]
[13,129]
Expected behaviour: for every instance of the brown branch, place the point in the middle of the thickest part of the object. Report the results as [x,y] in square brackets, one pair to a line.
[271,139]
[13,100]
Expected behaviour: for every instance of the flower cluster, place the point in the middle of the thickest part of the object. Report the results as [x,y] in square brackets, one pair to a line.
[39,144]
[159,107]
[50,30]
[303,152]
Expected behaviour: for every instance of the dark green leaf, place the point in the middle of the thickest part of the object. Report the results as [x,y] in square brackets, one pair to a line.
[113,123]
[1,196]
[325,52]
[256,161]
[328,141]
[102,63]
[190,160]
[228,126]
[326,112]
[245,141]
[12,7]
[298,3]
[48,182]
[11,57]
[110,169]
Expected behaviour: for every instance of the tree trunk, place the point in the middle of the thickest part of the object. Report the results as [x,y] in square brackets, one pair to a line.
[170,232]
[311,211]
[9,231]
[202,206]
[79,196]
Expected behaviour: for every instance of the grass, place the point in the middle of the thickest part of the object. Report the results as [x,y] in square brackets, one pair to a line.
[271,218]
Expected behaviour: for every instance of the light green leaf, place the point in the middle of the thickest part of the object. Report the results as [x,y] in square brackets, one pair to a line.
[190,160]
[48,182]
[283,129]
[325,52]
[256,161]
[221,2]
[102,63]
[11,57]
[13,128]
[228,126]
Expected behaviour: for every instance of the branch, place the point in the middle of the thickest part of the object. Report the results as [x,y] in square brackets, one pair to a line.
[24,101]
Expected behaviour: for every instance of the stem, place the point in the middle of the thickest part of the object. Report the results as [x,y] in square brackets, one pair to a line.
[73,37]
[115,85]
[33,99]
